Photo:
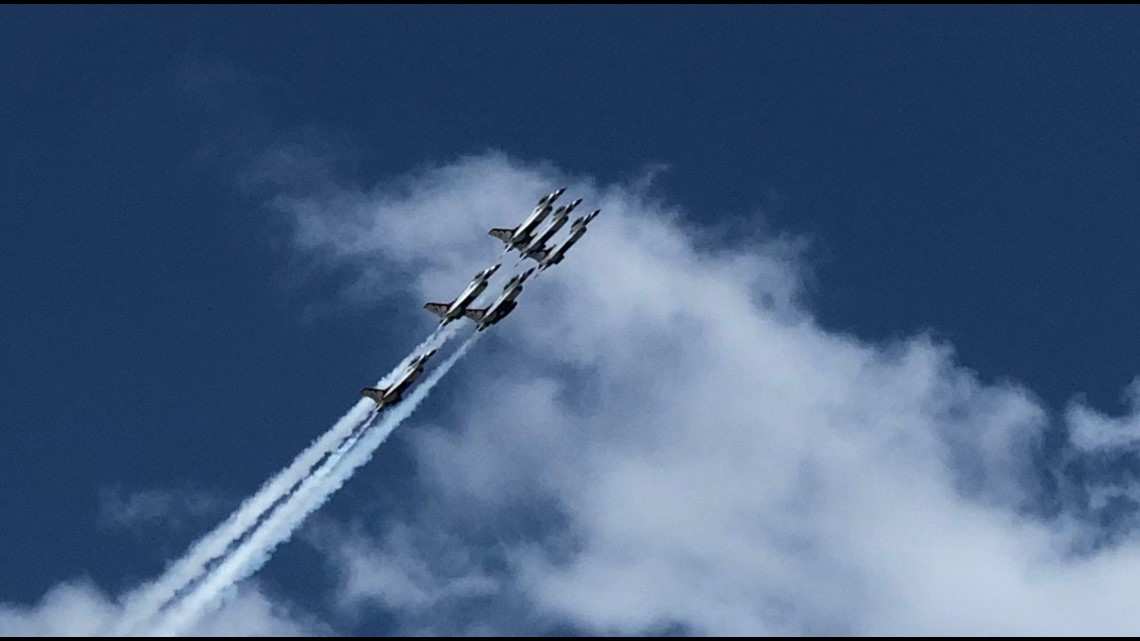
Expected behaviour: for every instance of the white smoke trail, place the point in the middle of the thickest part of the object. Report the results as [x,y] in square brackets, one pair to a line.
[149,600]
[255,551]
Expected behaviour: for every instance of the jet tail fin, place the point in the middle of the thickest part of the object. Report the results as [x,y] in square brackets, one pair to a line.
[475,314]
[439,309]
[502,234]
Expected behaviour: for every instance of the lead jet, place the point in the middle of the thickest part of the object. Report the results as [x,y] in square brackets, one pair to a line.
[394,393]
[520,237]
[546,257]
[448,312]
[502,306]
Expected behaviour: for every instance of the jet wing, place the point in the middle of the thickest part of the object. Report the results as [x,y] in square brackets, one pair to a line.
[502,234]
[554,257]
[439,309]
[475,314]
[374,393]
[539,255]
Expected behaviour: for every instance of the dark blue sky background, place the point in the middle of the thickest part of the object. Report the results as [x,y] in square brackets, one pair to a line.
[969,170]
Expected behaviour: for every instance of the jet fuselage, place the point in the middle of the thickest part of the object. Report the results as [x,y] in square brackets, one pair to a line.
[397,389]
[527,227]
[394,393]
[522,236]
[577,230]
[465,299]
[505,303]
[557,223]
[448,312]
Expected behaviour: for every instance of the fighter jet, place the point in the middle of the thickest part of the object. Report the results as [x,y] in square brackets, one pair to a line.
[561,215]
[502,306]
[546,257]
[520,237]
[448,312]
[394,393]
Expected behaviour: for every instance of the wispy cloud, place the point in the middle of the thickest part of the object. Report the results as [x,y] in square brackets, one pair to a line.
[80,609]
[676,444]
[1093,430]
[144,510]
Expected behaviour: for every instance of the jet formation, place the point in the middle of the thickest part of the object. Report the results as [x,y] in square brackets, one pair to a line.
[531,244]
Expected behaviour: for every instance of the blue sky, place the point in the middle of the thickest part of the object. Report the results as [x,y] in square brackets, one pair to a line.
[171,332]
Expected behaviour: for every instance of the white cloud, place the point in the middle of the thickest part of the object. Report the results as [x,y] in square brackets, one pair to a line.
[80,609]
[145,510]
[252,613]
[684,446]
[395,576]
[69,609]
[1094,431]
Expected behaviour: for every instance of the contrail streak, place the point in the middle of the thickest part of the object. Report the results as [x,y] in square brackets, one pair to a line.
[149,600]
[253,553]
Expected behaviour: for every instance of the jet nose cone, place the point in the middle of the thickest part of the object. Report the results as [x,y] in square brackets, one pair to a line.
[560,191]
[576,203]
